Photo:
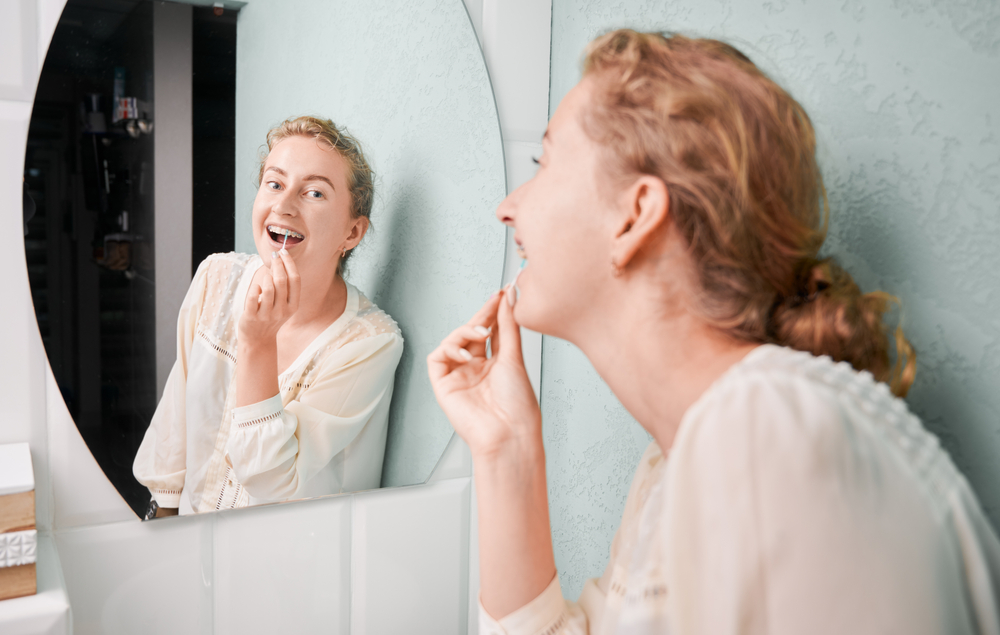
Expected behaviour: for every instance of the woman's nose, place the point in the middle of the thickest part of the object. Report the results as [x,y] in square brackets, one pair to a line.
[508,207]
[285,204]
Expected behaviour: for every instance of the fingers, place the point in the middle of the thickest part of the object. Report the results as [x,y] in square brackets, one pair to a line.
[441,361]
[294,283]
[456,354]
[508,330]
[495,344]
[279,277]
[266,296]
[475,339]
[252,302]
[487,314]
[464,343]
[473,334]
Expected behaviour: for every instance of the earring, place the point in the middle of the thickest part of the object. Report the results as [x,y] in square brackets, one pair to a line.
[343,252]
[616,271]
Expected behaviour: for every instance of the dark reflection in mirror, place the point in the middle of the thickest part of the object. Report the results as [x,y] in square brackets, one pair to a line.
[89,171]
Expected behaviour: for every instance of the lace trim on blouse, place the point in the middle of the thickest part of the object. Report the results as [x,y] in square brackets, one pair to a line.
[259,420]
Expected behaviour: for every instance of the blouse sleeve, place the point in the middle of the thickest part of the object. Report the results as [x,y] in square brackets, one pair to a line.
[160,462]
[276,449]
[550,613]
[547,614]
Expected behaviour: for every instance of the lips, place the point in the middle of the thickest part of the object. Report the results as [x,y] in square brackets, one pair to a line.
[278,235]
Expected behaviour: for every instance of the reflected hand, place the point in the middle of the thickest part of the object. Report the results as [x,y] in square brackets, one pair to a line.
[489,402]
[273,298]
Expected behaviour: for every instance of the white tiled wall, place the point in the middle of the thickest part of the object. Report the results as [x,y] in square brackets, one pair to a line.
[410,573]
[284,568]
[391,561]
[132,577]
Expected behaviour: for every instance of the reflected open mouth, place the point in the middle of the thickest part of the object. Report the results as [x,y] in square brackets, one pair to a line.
[278,235]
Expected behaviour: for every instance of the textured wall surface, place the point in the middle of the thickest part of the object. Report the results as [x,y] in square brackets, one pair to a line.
[905,99]
[422,106]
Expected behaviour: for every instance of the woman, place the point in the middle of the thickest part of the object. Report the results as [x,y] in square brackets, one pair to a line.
[672,233]
[284,371]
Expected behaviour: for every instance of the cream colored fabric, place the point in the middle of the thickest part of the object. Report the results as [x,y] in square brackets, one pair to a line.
[324,433]
[800,497]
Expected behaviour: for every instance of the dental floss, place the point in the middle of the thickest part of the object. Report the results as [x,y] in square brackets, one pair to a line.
[284,241]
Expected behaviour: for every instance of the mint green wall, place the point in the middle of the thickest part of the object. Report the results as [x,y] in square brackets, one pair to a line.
[409,81]
[905,96]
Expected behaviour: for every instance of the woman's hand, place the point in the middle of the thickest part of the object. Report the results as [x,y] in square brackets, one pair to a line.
[273,298]
[489,402]
[492,407]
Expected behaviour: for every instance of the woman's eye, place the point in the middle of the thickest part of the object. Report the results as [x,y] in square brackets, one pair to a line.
[314,194]
[273,186]
[535,160]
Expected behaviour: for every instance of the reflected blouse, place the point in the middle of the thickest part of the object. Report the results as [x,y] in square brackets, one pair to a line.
[323,433]
[799,496]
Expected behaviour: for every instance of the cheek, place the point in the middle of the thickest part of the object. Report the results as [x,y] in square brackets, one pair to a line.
[559,282]
[258,211]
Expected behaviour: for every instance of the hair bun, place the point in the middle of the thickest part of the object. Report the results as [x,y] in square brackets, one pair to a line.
[828,315]
[814,280]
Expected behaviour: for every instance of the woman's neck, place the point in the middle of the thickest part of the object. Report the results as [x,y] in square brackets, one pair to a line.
[657,365]
[323,299]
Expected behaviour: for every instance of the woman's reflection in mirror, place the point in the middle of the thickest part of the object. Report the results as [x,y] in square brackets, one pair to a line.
[284,370]
[672,232]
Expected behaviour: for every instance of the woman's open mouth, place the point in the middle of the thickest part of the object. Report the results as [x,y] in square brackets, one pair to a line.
[283,236]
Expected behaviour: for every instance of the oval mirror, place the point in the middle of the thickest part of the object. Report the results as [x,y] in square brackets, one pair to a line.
[142,160]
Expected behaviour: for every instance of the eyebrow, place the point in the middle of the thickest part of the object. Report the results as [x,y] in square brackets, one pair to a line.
[311,177]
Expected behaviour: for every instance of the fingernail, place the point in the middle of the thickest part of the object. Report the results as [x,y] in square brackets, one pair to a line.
[274,255]
[510,296]
[284,251]
[482,330]
[495,294]
[466,355]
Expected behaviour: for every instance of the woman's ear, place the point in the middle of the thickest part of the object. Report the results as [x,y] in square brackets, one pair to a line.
[647,206]
[358,231]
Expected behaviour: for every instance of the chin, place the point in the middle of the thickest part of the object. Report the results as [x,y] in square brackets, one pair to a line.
[554,314]
[531,317]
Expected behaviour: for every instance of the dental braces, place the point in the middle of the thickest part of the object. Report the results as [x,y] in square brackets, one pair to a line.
[281,231]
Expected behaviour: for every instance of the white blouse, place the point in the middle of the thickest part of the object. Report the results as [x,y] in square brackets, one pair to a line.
[800,496]
[323,433]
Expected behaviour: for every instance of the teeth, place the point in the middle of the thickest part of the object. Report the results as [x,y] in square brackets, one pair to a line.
[281,231]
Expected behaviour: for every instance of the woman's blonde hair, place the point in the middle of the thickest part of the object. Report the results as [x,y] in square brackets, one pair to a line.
[360,178]
[738,156]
